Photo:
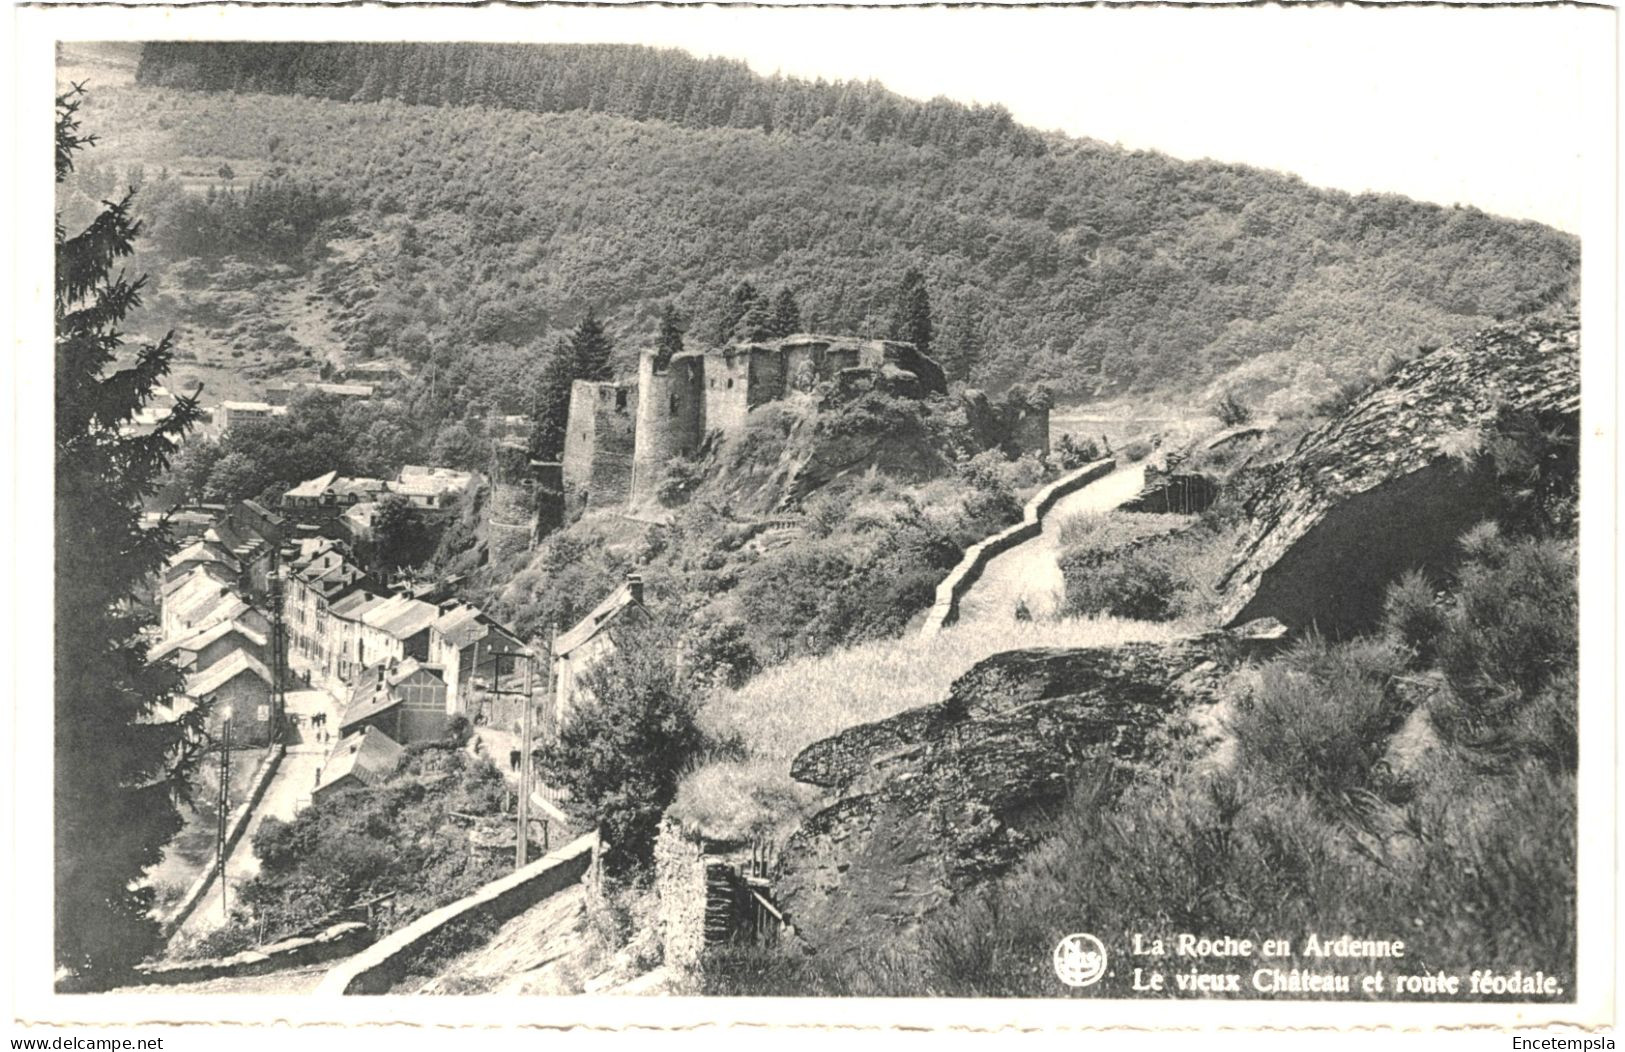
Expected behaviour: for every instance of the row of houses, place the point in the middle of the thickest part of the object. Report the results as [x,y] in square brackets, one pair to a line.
[252,598]
[409,699]
[217,620]
[348,628]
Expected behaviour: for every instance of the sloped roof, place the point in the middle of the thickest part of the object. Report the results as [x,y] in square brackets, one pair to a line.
[224,671]
[462,625]
[401,617]
[203,551]
[352,606]
[214,572]
[374,692]
[369,754]
[605,614]
[195,604]
[313,487]
[206,635]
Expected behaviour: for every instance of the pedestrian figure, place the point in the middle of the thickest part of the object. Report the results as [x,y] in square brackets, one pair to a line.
[513,759]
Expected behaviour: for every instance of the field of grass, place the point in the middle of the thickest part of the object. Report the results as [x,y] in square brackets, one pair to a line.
[746,787]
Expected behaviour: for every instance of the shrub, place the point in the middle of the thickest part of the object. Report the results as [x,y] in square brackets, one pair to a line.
[620,754]
[1138,584]
[1133,451]
[1231,412]
[1413,617]
[1508,646]
[1117,565]
[1072,452]
[1320,717]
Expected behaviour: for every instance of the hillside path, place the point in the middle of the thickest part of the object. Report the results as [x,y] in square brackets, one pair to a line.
[1032,570]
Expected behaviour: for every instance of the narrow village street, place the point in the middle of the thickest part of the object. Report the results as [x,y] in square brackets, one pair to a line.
[288,792]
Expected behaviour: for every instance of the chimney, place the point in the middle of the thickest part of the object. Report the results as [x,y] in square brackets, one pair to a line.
[634,586]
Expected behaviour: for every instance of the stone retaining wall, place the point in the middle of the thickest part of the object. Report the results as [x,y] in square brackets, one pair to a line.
[680,882]
[385,963]
[339,940]
[945,611]
[235,828]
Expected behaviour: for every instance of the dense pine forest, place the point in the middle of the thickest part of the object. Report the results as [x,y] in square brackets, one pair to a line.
[503,191]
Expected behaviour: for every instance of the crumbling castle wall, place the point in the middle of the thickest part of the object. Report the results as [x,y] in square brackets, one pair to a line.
[598,445]
[615,452]
[670,419]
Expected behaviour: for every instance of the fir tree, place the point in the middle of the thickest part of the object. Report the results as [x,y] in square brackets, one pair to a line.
[786,314]
[122,769]
[669,343]
[756,325]
[741,301]
[590,350]
[550,405]
[911,312]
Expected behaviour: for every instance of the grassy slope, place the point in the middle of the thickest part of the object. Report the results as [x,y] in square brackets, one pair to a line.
[782,711]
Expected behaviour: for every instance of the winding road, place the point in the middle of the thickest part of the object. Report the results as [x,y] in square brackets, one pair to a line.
[1031,571]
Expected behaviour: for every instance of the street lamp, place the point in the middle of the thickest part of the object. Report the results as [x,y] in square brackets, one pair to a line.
[225,803]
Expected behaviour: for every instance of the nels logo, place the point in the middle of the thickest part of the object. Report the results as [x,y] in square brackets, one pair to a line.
[1080,960]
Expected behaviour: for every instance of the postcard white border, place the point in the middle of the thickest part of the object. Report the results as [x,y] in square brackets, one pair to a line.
[30,535]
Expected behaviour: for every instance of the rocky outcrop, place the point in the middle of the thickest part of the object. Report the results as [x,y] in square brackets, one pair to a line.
[1392,483]
[940,798]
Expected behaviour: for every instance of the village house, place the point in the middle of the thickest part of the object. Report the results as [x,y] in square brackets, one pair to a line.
[329,494]
[396,629]
[429,487]
[314,583]
[592,638]
[365,758]
[469,647]
[385,377]
[204,648]
[239,685]
[404,699]
[284,392]
[199,553]
[230,414]
[340,646]
[194,600]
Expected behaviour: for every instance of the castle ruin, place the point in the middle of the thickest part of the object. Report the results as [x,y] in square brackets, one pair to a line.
[620,436]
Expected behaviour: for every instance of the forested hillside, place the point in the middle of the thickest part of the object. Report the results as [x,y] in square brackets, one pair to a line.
[497,193]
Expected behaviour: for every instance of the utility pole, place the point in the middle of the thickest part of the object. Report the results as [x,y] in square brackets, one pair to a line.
[527,742]
[224,805]
[522,850]
[279,645]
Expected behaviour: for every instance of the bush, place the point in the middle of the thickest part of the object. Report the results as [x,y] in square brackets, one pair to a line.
[1072,452]
[620,753]
[1231,412]
[1117,565]
[1508,647]
[1139,584]
[1320,717]
[1413,617]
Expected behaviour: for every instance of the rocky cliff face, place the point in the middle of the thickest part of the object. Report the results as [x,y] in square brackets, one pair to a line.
[940,798]
[1391,484]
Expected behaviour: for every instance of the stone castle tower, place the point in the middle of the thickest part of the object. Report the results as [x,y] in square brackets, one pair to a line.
[620,437]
